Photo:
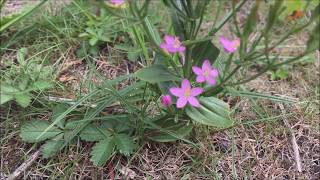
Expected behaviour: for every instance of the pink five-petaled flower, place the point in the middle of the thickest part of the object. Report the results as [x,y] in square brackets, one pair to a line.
[166,100]
[186,94]
[206,73]
[172,44]
[229,46]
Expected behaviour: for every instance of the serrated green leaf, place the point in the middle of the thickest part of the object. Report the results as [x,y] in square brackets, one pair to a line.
[156,74]
[8,89]
[180,131]
[23,99]
[102,151]
[124,143]
[57,111]
[51,147]
[32,130]
[212,112]
[5,98]
[41,85]
[24,83]
[92,133]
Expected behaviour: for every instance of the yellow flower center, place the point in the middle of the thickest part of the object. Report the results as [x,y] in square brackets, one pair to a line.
[206,73]
[235,44]
[187,92]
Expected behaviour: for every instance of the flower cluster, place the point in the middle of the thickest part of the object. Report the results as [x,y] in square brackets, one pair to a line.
[186,94]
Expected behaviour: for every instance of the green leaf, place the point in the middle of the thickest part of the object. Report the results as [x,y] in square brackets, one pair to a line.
[205,50]
[8,89]
[57,111]
[23,99]
[5,98]
[124,143]
[21,56]
[23,83]
[179,130]
[156,74]
[293,5]
[102,151]
[133,55]
[92,133]
[212,112]
[32,130]
[93,41]
[42,84]
[51,147]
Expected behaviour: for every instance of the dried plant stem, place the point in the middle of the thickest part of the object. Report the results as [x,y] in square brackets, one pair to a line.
[24,166]
[293,141]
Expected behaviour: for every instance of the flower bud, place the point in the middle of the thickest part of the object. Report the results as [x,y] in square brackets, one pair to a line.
[166,100]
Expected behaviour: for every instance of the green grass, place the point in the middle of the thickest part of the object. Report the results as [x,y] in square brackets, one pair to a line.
[244,151]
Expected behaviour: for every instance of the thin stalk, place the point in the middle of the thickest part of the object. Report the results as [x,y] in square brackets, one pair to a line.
[216,17]
[214,29]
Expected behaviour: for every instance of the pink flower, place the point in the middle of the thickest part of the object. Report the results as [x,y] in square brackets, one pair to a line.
[186,94]
[228,45]
[166,100]
[206,73]
[172,44]
[117,2]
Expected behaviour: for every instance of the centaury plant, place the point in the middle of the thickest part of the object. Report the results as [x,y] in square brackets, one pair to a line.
[183,77]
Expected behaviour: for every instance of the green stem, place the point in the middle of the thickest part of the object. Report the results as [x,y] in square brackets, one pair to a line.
[214,29]
[192,42]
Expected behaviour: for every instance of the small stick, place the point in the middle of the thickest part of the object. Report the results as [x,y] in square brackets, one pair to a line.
[24,166]
[294,142]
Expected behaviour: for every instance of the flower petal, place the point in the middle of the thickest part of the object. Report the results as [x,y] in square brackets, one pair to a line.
[163,46]
[169,39]
[170,48]
[197,70]
[211,81]
[185,84]
[200,79]
[181,102]
[206,65]
[229,46]
[182,49]
[176,91]
[193,101]
[214,72]
[196,91]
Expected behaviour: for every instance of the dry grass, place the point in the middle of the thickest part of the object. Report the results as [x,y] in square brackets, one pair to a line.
[250,151]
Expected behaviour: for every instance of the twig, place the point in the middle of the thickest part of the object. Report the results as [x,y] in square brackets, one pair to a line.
[293,141]
[24,166]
